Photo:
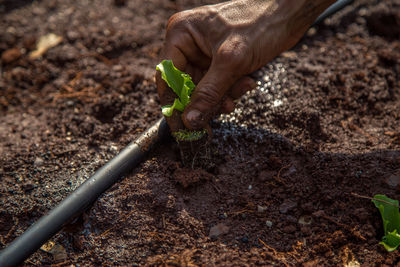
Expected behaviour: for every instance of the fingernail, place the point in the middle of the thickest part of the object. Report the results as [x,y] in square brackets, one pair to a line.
[194,118]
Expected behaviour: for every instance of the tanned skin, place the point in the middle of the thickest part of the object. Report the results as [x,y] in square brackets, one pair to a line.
[219,45]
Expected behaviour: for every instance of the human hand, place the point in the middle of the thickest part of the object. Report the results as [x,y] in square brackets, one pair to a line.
[219,45]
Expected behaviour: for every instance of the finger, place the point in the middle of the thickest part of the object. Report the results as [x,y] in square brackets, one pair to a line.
[192,52]
[242,86]
[228,105]
[206,98]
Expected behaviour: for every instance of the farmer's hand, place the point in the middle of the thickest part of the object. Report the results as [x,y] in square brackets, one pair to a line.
[218,45]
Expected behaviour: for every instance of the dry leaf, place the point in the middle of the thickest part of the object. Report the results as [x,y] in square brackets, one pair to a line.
[48,246]
[45,43]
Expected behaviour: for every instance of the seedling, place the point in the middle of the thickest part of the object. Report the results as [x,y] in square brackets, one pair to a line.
[183,86]
[389,209]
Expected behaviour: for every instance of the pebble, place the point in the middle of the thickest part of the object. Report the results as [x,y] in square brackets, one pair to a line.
[28,187]
[10,55]
[287,206]
[218,230]
[305,220]
[393,180]
[268,223]
[38,162]
[261,209]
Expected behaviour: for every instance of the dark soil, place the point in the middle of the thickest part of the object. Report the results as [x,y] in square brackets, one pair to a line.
[290,164]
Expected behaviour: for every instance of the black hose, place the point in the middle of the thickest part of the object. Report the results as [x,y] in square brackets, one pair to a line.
[338,5]
[36,235]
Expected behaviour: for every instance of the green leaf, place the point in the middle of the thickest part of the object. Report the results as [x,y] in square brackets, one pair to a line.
[391,241]
[389,210]
[180,82]
[168,109]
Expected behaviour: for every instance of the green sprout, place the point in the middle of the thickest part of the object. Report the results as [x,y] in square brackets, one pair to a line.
[389,209]
[183,86]
[180,82]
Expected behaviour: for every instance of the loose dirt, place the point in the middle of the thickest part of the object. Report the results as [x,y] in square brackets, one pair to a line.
[290,164]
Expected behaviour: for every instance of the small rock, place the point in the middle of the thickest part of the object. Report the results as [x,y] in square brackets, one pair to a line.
[289,229]
[287,206]
[311,32]
[289,54]
[268,223]
[305,220]
[28,187]
[38,162]
[261,209]
[218,230]
[393,180]
[117,68]
[245,239]
[70,103]
[10,55]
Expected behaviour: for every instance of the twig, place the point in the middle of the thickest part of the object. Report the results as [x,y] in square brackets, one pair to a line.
[275,253]
[376,199]
[31,262]
[163,220]
[278,176]
[346,227]
[216,188]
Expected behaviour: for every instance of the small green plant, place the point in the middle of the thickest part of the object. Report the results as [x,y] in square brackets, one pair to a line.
[180,82]
[183,86]
[389,209]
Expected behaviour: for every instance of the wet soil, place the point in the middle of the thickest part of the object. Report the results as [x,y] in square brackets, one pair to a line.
[290,164]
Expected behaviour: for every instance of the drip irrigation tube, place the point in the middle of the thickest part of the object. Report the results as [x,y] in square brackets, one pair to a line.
[79,200]
[338,5]
[36,235]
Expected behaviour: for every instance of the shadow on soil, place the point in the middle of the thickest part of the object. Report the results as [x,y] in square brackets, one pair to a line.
[274,192]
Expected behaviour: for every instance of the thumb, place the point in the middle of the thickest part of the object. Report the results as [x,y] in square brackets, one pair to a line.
[207,96]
